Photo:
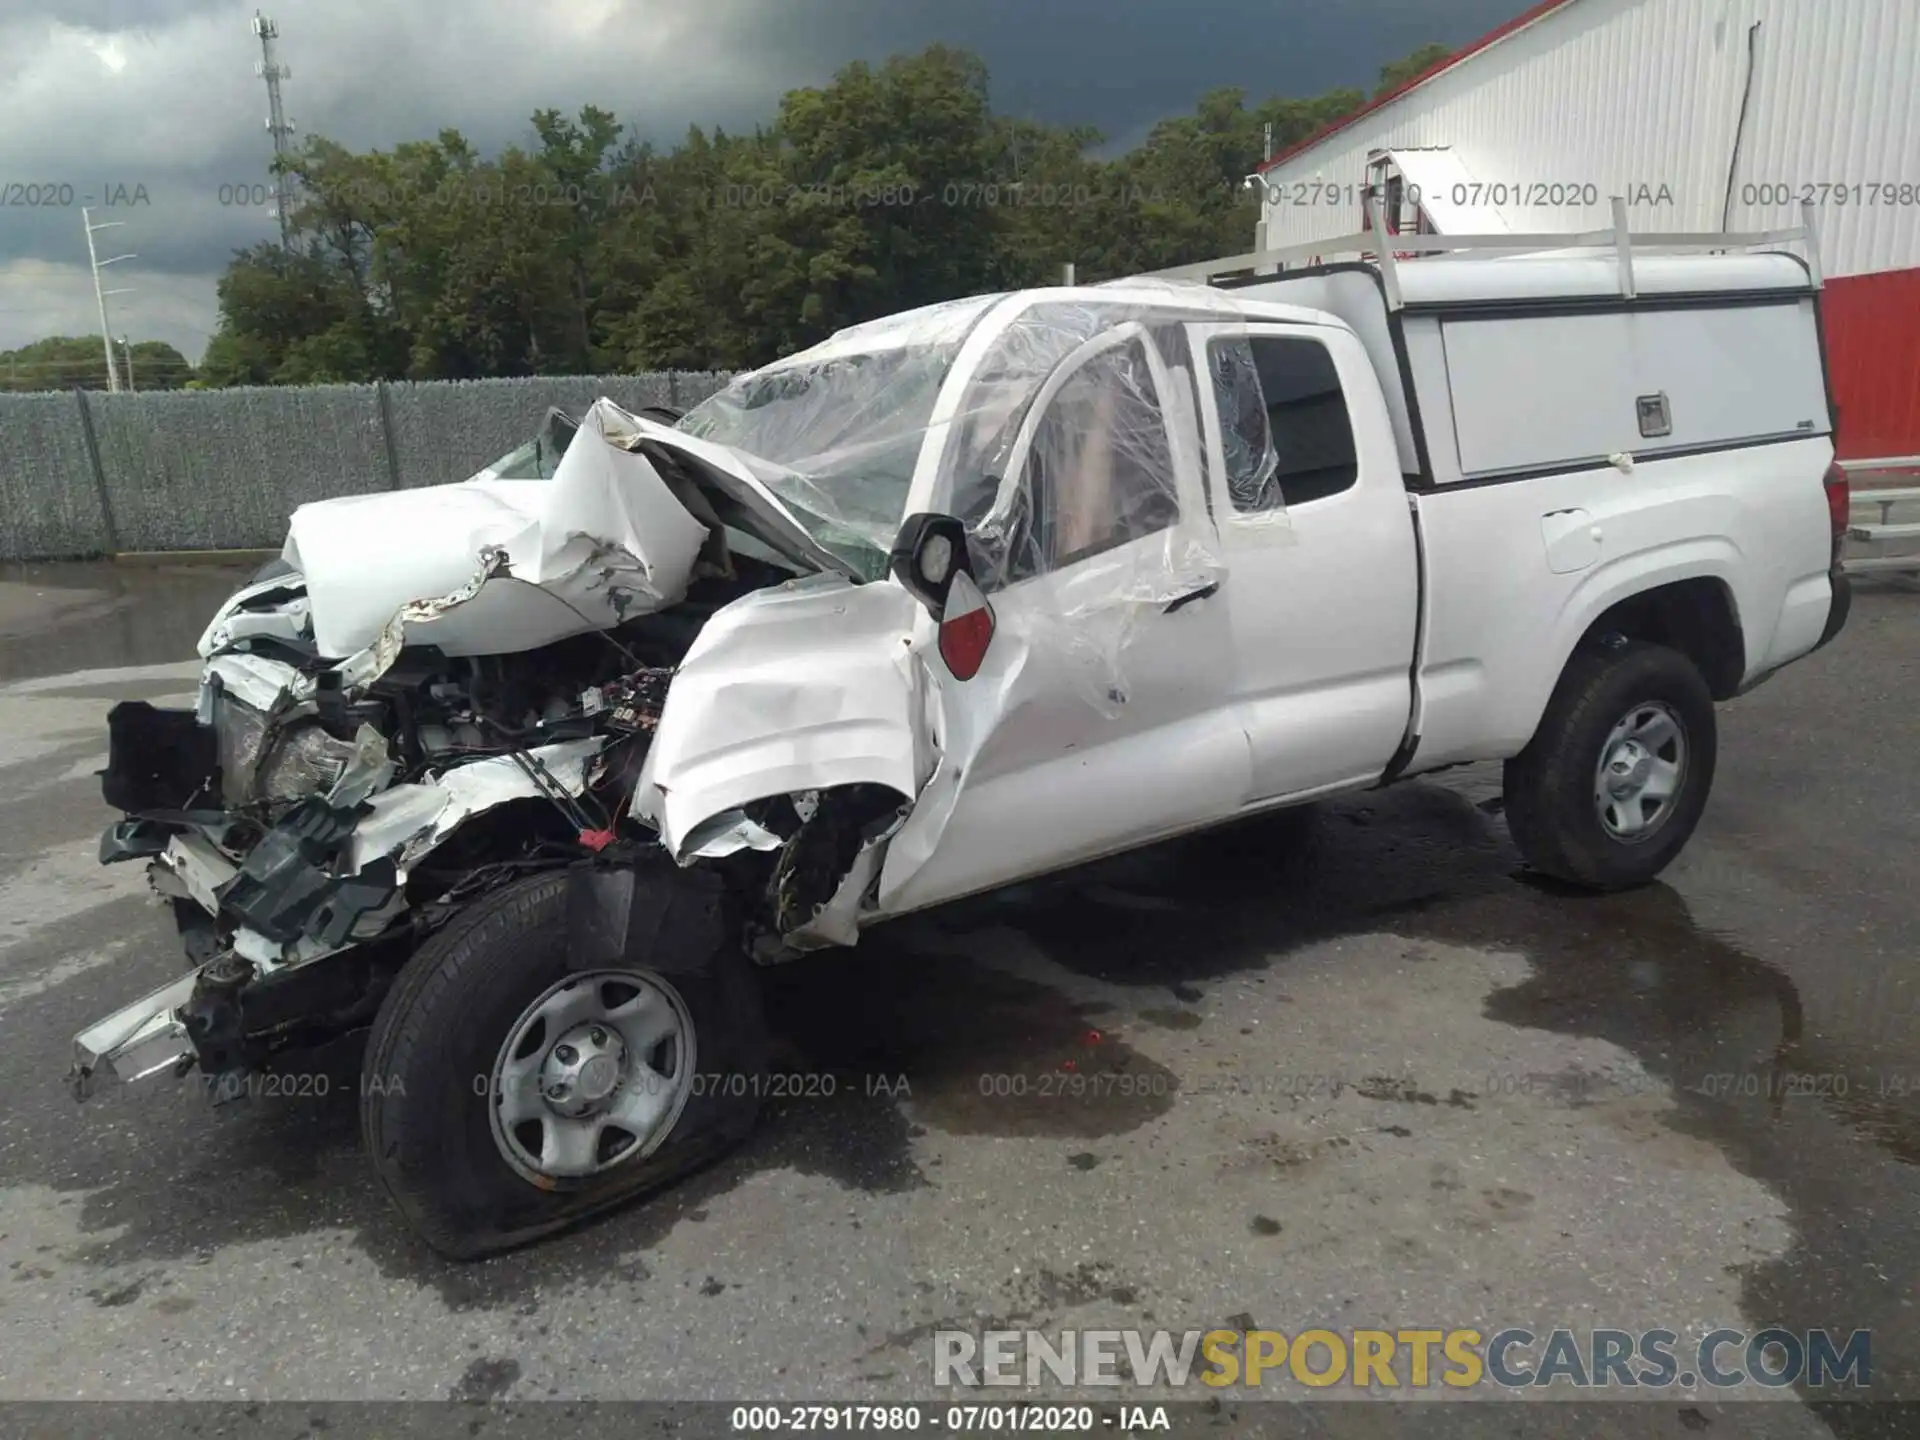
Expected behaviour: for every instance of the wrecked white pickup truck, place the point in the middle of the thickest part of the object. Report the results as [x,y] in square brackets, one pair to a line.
[529,771]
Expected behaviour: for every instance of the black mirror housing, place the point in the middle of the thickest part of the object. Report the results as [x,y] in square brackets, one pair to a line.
[927,553]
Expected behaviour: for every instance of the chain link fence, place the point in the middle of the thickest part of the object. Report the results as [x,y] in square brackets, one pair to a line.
[86,473]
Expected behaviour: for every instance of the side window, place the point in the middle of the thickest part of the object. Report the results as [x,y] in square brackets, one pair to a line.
[1100,472]
[1252,481]
[1306,416]
[1284,426]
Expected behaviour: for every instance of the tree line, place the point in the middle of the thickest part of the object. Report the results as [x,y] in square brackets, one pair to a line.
[588,250]
[66,362]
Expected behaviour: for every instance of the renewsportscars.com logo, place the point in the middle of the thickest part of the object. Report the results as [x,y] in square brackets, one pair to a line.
[1416,1359]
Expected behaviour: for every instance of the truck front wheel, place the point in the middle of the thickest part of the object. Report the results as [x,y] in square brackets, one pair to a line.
[1615,779]
[507,1093]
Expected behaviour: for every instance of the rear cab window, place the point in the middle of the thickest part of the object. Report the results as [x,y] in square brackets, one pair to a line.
[1286,433]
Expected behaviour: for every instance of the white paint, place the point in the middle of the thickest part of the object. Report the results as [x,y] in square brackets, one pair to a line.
[1498,633]
[1322,645]
[409,821]
[1559,389]
[1099,721]
[800,687]
[603,539]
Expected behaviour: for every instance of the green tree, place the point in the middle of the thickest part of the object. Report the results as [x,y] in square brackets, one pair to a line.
[891,186]
[1396,73]
[64,362]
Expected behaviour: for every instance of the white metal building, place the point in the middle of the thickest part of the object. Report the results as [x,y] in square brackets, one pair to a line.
[1706,115]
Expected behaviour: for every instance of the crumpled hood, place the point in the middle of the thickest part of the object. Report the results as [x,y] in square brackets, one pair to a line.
[605,539]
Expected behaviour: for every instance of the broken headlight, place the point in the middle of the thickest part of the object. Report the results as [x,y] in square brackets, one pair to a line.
[285,762]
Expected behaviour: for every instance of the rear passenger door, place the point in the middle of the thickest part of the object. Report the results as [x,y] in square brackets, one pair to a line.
[1323,583]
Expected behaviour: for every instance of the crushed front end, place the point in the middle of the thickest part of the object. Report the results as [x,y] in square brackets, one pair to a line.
[433,693]
[286,822]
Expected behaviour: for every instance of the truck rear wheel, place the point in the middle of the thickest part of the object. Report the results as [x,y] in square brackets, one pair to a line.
[1614,781]
[506,1094]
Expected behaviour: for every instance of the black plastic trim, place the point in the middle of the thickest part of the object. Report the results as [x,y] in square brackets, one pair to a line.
[1838,608]
[1640,457]
[1550,305]
[1410,741]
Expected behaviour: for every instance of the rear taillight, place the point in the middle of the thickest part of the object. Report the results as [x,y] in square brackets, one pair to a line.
[1839,501]
[966,628]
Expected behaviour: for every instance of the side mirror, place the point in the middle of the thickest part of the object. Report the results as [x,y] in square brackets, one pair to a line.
[931,562]
[927,554]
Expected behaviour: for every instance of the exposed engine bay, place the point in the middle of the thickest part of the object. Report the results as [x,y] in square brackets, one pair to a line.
[317,805]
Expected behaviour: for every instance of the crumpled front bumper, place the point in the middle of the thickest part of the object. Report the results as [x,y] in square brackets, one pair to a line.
[140,1039]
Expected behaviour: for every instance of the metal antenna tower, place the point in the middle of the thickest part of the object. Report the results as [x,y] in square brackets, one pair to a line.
[278,126]
[95,263]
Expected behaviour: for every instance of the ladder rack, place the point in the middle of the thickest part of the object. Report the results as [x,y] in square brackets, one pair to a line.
[1385,250]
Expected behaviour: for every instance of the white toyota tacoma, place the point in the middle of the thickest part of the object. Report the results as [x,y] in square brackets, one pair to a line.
[530,772]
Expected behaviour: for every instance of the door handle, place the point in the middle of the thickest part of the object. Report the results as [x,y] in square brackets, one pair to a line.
[1192,595]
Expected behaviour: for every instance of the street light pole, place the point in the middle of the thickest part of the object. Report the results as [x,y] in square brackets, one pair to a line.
[99,295]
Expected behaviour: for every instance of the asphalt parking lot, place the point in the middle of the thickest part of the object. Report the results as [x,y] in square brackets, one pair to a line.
[1391,1081]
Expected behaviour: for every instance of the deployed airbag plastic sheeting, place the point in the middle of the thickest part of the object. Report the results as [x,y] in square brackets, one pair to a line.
[1071,458]
[836,431]
[604,540]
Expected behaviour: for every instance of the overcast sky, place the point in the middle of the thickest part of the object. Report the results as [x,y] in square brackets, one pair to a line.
[104,96]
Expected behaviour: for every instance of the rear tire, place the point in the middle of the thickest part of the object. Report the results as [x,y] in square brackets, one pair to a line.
[1584,800]
[431,1090]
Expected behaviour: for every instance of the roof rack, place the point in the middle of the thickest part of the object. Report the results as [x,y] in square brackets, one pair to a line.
[1385,250]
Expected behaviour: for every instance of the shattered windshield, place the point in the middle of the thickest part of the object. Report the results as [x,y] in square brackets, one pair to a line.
[836,431]
[539,457]
[836,440]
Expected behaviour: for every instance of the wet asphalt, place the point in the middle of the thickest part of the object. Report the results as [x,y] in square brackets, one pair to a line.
[1366,1073]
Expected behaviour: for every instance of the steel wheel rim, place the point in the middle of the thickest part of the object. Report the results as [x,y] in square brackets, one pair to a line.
[1642,770]
[593,1074]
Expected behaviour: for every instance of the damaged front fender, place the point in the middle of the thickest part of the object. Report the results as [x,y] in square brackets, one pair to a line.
[808,686]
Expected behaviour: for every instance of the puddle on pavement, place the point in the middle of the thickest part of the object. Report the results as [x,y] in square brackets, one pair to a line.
[98,614]
[1725,1032]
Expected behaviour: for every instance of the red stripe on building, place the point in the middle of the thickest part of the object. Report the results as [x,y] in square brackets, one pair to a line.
[1873,360]
[1519,22]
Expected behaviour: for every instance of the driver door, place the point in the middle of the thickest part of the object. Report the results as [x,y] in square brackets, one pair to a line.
[1100,717]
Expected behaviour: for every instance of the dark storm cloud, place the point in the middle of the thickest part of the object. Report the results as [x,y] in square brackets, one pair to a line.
[99,94]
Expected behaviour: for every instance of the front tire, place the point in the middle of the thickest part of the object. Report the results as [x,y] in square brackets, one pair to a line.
[506,1095]
[1614,781]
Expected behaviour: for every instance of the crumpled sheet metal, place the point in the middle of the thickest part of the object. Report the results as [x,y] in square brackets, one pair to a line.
[604,539]
[406,822]
[800,687]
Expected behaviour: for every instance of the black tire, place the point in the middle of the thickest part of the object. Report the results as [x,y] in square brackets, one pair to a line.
[425,1111]
[1550,786]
